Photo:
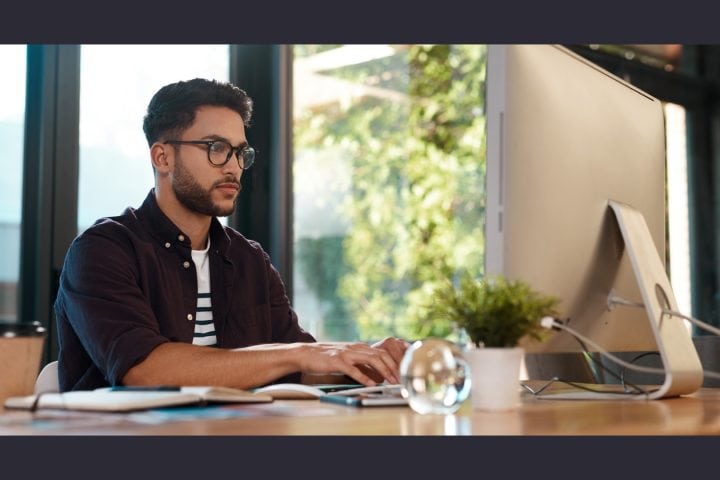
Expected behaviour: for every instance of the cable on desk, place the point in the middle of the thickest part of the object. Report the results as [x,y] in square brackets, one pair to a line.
[551,323]
[637,357]
[617,300]
[640,391]
[625,384]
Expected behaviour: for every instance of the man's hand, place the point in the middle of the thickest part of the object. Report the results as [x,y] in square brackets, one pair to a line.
[367,364]
[394,346]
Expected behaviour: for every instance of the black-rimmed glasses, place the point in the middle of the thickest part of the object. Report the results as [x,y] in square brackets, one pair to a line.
[220,152]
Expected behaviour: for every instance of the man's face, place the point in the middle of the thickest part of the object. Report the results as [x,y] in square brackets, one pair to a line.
[198,185]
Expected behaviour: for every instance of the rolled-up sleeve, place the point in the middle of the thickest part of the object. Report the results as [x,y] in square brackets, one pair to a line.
[101,300]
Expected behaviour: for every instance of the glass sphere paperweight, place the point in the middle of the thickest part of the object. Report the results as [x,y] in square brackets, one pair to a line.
[435,377]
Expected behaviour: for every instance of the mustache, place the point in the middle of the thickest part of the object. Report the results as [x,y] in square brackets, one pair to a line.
[225,180]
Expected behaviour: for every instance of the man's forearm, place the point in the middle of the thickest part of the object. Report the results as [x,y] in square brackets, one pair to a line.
[185,364]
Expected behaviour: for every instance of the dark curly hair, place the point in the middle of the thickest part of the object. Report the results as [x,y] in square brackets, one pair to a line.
[172,109]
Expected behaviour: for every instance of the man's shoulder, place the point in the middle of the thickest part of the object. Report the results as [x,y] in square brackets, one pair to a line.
[111,242]
[127,219]
[112,228]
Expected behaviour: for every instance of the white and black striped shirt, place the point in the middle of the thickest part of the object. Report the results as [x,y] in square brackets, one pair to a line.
[204,325]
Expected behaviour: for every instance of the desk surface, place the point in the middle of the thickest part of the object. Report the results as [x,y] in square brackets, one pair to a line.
[697,414]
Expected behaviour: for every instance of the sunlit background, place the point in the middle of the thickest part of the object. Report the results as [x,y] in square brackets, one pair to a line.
[388,168]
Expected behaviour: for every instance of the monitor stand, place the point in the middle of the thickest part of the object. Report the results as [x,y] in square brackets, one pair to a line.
[683,370]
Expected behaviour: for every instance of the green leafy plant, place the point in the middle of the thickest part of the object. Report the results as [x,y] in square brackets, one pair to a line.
[494,311]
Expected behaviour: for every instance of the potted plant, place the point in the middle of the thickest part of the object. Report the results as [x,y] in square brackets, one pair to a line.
[497,315]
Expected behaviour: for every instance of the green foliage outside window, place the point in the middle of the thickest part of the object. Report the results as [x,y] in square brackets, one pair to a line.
[417,198]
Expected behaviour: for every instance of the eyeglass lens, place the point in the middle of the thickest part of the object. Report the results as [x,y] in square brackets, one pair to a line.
[221,152]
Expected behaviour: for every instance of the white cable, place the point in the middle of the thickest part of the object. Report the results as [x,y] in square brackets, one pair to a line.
[697,322]
[549,323]
[615,300]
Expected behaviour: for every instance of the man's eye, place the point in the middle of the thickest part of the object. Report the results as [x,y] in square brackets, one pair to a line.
[219,147]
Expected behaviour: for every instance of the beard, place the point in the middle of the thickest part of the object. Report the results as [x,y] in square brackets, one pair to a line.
[197,199]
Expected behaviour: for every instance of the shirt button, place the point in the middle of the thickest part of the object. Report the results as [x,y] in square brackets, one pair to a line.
[186,264]
[167,244]
[189,317]
[181,238]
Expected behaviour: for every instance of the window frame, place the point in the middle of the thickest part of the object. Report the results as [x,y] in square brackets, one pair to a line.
[50,173]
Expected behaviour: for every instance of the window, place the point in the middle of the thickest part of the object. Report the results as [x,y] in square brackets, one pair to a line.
[12,122]
[116,84]
[388,183]
[665,57]
[677,206]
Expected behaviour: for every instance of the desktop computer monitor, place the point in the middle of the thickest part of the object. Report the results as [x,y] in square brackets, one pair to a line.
[564,139]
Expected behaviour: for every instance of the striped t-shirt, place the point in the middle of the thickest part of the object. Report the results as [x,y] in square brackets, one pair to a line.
[204,325]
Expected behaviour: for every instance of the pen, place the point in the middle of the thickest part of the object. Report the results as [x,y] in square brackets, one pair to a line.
[155,388]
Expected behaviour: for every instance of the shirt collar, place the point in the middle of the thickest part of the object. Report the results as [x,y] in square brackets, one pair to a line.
[164,230]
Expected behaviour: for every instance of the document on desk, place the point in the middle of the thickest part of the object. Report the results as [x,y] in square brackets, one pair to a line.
[298,391]
[132,399]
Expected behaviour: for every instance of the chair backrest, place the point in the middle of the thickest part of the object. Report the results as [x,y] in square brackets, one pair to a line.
[47,381]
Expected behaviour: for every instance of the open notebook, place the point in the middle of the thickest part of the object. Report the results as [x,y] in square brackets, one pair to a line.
[109,400]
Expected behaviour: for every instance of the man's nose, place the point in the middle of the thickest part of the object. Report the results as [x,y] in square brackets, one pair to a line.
[233,165]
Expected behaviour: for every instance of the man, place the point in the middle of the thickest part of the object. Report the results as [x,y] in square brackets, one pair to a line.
[165,295]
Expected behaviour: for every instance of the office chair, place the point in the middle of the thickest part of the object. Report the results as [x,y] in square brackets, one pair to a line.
[47,381]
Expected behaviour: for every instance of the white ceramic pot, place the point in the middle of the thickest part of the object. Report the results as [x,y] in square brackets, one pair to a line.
[495,374]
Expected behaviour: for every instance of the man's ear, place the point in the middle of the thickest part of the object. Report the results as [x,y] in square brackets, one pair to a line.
[161,157]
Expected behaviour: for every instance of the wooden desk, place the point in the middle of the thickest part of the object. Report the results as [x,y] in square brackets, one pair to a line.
[697,414]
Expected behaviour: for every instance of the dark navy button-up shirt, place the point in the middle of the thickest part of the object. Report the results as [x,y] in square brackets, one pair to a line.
[129,284]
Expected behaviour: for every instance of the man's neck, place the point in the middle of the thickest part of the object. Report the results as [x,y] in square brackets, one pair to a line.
[193,224]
